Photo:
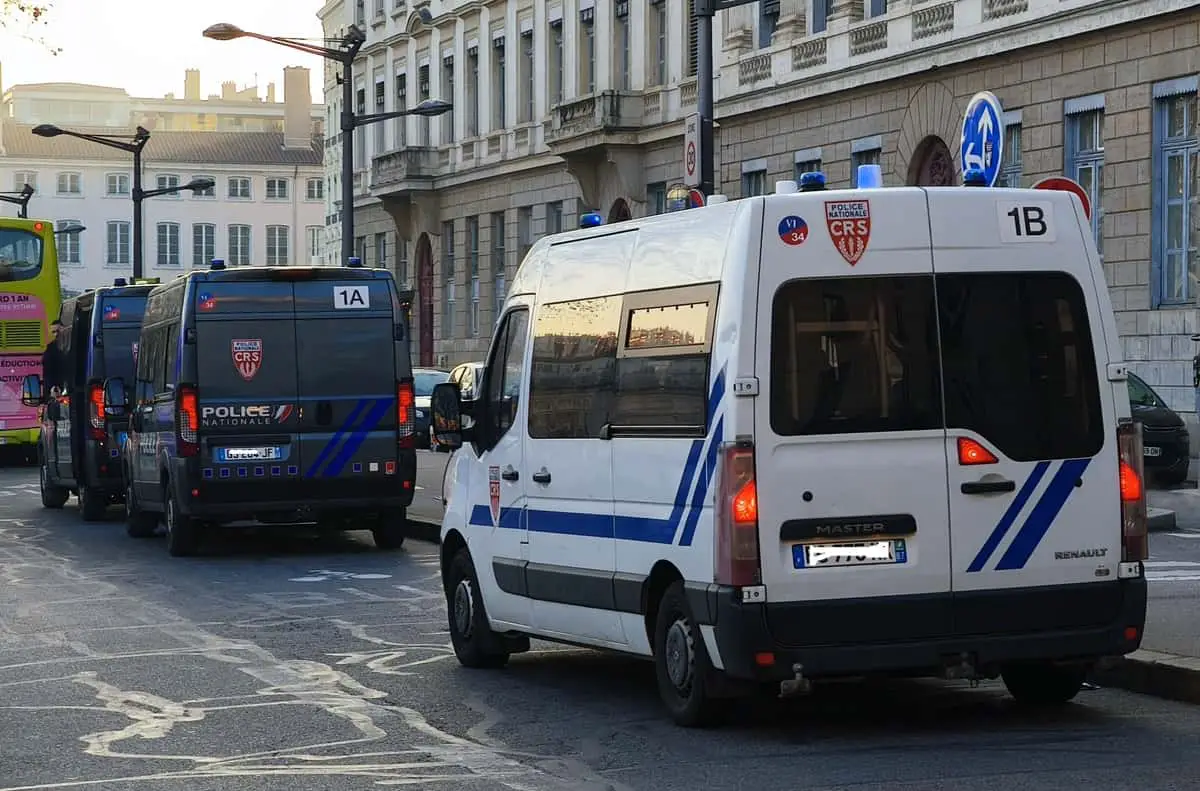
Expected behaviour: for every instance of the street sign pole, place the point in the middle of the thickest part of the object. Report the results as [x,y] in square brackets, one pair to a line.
[982,143]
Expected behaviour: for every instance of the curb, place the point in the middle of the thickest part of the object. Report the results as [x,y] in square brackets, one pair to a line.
[425,530]
[1160,519]
[1155,673]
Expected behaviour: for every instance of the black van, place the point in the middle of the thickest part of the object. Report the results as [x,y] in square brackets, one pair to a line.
[276,394]
[79,447]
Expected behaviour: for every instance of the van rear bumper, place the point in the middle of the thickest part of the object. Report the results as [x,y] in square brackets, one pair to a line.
[990,638]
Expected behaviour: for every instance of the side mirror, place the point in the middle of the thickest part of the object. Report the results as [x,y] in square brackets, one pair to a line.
[31,390]
[446,420]
[116,400]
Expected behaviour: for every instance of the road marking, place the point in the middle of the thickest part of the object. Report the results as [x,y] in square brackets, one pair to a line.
[1185,535]
[1172,570]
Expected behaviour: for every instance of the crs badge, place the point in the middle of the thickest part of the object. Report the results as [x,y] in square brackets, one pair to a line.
[849,224]
[494,493]
[247,356]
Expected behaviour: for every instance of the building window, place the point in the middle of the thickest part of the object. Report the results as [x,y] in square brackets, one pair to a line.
[499,84]
[277,189]
[527,77]
[555,55]
[524,232]
[554,217]
[277,245]
[380,106]
[754,178]
[378,9]
[239,188]
[473,92]
[473,269]
[876,8]
[401,104]
[168,243]
[656,198]
[624,42]
[168,181]
[313,235]
[1085,155]
[381,250]
[204,244]
[23,177]
[1010,166]
[360,248]
[1176,149]
[401,262]
[656,75]
[239,245]
[360,134]
[768,20]
[448,279]
[314,189]
[447,120]
[863,156]
[423,122]
[808,161]
[116,184]
[498,273]
[68,243]
[70,184]
[693,37]
[587,61]
[211,192]
[820,15]
[118,243]
[360,12]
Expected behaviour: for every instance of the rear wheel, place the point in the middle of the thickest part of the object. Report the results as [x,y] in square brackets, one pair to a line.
[183,532]
[681,663]
[52,496]
[475,644]
[389,532]
[138,523]
[1044,684]
[92,504]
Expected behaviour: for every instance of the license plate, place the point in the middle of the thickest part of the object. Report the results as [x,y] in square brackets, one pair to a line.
[248,454]
[858,553]
[1151,450]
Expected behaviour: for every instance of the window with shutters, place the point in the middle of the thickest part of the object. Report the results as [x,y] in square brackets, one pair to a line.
[768,20]
[693,38]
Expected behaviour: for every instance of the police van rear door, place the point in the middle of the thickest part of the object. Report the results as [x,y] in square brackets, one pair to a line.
[246,362]
[345,333]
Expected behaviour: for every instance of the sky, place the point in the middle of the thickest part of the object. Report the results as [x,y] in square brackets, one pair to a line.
[144,46]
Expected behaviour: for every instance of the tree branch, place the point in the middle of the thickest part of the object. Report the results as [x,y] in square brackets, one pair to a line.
[21,16]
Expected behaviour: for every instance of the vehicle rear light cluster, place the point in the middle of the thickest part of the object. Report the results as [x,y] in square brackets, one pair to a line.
[187,421]
[1135,544]
[96,410]
[736,517]
[406,414]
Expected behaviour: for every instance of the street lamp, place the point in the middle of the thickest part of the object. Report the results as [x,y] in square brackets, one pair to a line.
[141,136]
[343,51]
[21,199]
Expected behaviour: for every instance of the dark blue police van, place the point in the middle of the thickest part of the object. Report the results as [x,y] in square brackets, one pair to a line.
[273,394]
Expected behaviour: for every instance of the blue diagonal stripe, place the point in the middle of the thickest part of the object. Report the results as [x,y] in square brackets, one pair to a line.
[1043,515]
[327,451]
[373,418]
[702,483]
[1010,516]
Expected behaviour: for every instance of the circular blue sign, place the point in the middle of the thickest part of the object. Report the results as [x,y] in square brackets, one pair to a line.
[982,144]
[793,230]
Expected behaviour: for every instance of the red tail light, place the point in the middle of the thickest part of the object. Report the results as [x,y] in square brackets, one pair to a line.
[1135,542]
[406,414]
[96,410]
[187,421]
[971,452]
[736,517]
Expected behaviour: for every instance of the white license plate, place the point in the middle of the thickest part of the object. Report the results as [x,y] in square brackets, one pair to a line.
[858,553]
[1151,450]
[248,454]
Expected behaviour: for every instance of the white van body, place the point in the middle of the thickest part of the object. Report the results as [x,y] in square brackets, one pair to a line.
[910,398]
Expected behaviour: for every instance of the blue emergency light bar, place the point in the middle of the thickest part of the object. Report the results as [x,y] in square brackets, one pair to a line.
[591,220]
[974,177]
[354,262]
[120,281]
[217,264]
[870,177]
[812,181]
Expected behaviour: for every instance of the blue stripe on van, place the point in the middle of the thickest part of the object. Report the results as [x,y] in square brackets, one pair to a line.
[359,436]
[630,528]
[702,484]
[1010,516]
[327,451]
[1026,542]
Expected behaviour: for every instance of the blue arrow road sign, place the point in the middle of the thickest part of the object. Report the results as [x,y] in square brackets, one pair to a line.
[983,136]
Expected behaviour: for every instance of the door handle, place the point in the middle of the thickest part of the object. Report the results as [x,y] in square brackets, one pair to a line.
[988,487]
[510,474]
[541,476]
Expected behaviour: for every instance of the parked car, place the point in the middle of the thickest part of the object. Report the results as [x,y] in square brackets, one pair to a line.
[424,380]
[1165,440]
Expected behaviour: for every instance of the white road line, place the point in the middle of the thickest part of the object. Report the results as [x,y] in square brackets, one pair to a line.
[1185,535]
[1172,570]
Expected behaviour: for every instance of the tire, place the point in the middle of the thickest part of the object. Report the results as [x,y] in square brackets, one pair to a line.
[183,532]
[681,663]
[389,533]
[138,523]
[52,496]
[1044,684]
[475,644]
[92,506]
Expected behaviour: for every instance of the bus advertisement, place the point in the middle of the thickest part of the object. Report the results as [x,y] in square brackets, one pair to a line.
[30,298]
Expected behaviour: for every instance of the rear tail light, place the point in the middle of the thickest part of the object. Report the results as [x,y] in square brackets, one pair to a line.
[737,556]
[406,414]
[971,452]
[1135,543]
[187,421]
[96,410]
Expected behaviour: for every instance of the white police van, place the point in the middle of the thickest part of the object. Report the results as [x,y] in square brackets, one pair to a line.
[808,435]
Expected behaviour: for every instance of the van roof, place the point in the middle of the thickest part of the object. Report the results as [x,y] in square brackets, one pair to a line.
[251,274]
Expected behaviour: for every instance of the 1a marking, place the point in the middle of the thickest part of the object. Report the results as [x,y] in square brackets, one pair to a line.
[1027,222]
[351,297]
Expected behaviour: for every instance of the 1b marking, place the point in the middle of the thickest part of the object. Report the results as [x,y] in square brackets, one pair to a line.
[1026,222]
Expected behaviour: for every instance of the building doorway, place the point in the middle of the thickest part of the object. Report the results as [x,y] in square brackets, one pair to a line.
[425,299]
[932,164]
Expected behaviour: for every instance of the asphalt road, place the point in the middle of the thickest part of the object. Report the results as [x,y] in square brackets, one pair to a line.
[280,660]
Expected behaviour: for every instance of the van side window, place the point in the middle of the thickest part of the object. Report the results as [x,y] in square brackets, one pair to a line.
[505,373]
[1019,363]
[573,380]
[854,355]
[172,340]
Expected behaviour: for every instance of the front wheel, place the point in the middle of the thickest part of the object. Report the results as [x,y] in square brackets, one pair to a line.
[475,644]
[1044,684]
[681,663]
[52,496]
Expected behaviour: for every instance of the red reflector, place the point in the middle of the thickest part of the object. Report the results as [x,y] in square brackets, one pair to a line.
[389,467]
[407,485]
[103,468]
[971,452]
[1131,633]
[764,659]
[195,492]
